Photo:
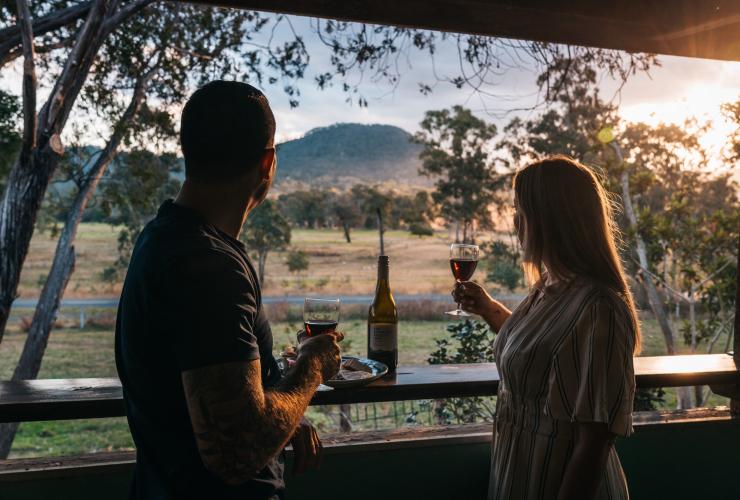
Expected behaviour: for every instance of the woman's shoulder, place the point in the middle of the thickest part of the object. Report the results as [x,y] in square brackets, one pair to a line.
[601,298]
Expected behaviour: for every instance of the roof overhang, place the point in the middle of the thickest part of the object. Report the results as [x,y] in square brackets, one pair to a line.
[694,28]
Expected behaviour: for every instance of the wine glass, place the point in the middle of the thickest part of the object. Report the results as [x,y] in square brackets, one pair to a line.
[320,316]
[463,261]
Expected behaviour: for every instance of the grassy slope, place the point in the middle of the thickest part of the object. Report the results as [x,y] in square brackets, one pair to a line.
[418,265]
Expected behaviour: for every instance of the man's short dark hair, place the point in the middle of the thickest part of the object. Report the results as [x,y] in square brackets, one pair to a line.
[224,130]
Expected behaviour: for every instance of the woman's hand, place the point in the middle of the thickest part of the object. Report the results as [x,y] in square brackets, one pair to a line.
[473,298]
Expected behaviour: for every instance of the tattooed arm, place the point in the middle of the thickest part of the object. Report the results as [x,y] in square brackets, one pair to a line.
[238,425]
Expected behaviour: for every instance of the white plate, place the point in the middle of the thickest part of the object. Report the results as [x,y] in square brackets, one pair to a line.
[376,369]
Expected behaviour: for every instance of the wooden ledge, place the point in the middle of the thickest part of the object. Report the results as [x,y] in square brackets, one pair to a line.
[59,399]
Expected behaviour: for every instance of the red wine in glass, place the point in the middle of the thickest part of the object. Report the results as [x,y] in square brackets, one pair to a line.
[320,316]
[463,261]
[314,328]
[463,269]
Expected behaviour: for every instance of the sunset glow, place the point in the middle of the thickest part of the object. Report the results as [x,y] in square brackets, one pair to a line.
[702,102]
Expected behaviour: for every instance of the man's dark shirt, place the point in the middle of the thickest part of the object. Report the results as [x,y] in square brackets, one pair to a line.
[191,299]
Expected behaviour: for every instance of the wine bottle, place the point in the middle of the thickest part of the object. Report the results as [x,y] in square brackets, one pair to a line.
[382,321]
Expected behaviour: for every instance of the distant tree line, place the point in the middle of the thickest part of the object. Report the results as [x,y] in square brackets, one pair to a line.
[319,207]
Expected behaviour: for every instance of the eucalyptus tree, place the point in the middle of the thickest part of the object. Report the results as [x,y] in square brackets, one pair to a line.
[456,155]
[266,230]
[81,33]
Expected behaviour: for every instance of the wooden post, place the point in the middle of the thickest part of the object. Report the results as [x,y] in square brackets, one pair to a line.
[381,230]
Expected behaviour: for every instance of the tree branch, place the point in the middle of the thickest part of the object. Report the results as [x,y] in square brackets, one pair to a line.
[124,13]
[25,25]
[39,49]
[55,112]
[11,37]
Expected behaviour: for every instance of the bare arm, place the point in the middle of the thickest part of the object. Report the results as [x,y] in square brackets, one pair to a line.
[585,470]
[238,426]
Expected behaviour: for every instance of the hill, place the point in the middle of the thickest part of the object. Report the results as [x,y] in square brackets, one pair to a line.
[350,152]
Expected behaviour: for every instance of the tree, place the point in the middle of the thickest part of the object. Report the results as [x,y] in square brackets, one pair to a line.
[455,155]
[41,148]
[370,199]
[304,208]
[138,183]
[265,231]
[504,264]
[345,208]
[731,111]
[413,209]
[10,139]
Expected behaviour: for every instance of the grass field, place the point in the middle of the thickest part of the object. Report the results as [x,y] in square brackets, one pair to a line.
[418,265]
[89,353]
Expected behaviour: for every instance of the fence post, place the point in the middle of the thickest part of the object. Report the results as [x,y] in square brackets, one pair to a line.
[82,318]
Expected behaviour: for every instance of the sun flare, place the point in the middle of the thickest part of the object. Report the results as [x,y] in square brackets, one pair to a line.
[702,102]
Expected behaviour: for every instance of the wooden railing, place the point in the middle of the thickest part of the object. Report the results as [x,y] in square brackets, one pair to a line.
[60,399]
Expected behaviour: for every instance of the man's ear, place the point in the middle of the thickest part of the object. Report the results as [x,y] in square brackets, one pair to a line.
[267,164]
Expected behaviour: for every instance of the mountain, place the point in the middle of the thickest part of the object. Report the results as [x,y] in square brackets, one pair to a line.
[350,152]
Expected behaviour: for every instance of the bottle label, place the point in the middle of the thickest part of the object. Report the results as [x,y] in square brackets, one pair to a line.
[383,336]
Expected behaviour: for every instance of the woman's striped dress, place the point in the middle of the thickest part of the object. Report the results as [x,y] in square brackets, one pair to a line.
[564,356]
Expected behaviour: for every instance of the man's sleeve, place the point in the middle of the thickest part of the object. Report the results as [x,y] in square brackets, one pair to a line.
[212,311]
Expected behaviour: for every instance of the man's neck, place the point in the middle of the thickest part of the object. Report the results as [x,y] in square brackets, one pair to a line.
[219,205]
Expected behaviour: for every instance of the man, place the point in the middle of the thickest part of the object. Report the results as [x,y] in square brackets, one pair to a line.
[207,408]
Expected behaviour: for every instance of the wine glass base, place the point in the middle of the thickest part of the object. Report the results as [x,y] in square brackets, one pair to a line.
[457,312]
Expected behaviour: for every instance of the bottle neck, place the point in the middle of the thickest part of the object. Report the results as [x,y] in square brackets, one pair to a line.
[383,275]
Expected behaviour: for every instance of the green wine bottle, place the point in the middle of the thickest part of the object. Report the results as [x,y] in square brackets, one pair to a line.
[382,321]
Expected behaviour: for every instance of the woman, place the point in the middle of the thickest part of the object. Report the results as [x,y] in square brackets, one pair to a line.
[564,354]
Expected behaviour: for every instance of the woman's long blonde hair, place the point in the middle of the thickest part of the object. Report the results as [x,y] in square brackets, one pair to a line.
[569,224]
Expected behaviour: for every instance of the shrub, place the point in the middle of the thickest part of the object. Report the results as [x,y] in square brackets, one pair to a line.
[504,265]
[420,229]
[297,261]
[470,342]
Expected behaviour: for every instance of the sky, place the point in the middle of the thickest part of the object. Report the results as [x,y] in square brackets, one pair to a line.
[680,87]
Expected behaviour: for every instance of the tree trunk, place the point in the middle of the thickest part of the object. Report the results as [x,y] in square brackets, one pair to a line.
[10,37]
[32,172]
[345,419]
[656,306]
[261,260]
[38,336]
[64,258]
[346,229]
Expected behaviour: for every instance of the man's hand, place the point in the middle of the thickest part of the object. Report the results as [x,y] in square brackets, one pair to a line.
[324,350]
[307,448]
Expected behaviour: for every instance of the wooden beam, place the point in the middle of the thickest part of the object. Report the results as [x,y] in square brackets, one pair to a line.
[387,440]
[59,399]
[693,28]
